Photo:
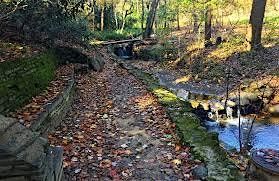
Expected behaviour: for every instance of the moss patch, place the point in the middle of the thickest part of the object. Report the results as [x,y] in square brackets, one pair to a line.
[22,79]
[205,146]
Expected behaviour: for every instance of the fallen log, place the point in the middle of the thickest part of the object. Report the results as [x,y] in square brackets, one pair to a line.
[120,41]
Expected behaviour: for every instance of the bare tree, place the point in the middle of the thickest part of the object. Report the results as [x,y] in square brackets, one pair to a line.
[17,6]
[126,12]
[151,18]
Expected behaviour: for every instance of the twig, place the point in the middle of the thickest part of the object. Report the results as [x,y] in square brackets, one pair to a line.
[227,88]
[239,121]
[13,10]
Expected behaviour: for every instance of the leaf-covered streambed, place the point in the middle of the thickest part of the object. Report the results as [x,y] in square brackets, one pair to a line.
[117,130]
[205,145]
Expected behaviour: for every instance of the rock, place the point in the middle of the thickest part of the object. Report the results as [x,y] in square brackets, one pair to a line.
[16,137]
[205,105]
[200,172]
[216,105]
[68,53]
[229,103]
[5,123]
[194,103]
[183,94]
[245,98]
[96,63]
[274,109]
[24,153]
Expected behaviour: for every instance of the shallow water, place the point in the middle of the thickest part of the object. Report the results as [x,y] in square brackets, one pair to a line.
[262,135]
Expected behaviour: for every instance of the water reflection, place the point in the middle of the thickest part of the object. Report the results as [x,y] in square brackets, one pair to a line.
[263,135]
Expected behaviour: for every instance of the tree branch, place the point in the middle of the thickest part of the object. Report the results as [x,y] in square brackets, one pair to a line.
[17,7]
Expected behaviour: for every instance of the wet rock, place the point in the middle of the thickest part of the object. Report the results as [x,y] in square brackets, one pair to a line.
[200,172]
[183,94]
[205,105]
[216,105]
[229,103]
[274,110]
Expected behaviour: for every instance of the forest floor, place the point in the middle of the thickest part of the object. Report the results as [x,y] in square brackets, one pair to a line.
[117,130]
[181,59]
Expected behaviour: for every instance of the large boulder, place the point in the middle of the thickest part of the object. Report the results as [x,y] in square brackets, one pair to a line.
[78,54]
[96,63]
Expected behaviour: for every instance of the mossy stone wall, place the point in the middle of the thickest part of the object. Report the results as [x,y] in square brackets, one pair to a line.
[22,79]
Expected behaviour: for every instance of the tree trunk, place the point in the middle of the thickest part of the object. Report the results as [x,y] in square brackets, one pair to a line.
[177,19]
[102,16]
[150,18]
[165,11]
[256,24]
[207,27]
[93,15]
[196,25]
[124,14]
[142,17]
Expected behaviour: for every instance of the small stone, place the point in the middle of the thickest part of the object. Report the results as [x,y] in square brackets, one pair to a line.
[90,157]
[105,116]
[200,172]
[77,170]
[74,159]
[144,146]
[124,146]
[124,174]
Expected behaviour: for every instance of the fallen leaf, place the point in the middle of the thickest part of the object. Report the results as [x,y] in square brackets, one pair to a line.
[176,161]
[105,163]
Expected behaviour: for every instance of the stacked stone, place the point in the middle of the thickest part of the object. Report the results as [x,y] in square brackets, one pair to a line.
[24,155]
[54,112]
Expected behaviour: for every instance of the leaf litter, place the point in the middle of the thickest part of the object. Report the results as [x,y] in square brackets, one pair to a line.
[116,130]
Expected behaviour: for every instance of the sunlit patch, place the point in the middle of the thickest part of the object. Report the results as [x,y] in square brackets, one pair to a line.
[194,103]
[165,95]
[182,79]
[196,45]
[226,51]
[145,101]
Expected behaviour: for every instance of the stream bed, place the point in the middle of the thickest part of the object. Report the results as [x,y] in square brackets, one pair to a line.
[265,133]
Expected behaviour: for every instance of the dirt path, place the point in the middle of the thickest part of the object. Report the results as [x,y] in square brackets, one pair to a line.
[117,131]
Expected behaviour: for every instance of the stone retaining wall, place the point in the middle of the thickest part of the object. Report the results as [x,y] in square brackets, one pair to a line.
[24,155]
[54,111]
[22,79]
